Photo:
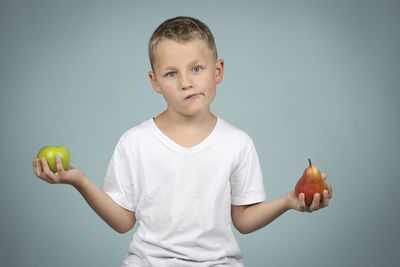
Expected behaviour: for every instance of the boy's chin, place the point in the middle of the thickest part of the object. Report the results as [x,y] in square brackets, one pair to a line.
[195,113]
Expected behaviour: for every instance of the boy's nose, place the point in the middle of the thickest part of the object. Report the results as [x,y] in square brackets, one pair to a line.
[186,82]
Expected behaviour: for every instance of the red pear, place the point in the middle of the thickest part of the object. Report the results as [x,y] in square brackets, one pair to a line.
[310,183]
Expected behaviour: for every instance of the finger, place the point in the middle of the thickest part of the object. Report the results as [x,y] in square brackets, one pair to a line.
[46,169]
[37,168]
[329,187]
[302,202]
[39,171]
[324,175]
[325,198]
[315,203]
[46,179]
[60,167]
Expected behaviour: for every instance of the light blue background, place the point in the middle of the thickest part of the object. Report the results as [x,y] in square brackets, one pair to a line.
[315,79]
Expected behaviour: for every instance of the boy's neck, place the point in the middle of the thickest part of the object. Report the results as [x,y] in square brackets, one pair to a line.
[176,120]
[186,131]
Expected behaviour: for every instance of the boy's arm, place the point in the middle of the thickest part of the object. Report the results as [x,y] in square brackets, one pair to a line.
[249,218]
[120,219]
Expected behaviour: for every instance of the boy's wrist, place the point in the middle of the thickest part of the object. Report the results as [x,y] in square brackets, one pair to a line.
[79,183]
[288,201]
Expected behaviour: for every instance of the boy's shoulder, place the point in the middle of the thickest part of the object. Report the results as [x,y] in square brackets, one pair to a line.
[142,129]
[232,129]
[234,134]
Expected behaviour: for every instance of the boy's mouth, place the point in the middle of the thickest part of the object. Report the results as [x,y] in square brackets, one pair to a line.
[192,96]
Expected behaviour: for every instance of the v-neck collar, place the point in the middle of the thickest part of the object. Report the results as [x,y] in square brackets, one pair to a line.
[179,148]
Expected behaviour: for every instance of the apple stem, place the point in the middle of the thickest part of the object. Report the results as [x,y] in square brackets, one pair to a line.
[309,160]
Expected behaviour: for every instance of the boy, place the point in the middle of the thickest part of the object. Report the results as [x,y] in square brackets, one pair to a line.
[186,174]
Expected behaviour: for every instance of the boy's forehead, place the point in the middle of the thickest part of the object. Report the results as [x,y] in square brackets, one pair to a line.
[170,49]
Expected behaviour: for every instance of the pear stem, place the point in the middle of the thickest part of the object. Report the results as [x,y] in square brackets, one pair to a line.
[309,160]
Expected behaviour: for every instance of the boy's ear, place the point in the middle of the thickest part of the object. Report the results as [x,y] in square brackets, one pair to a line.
[219,71]
[154,82]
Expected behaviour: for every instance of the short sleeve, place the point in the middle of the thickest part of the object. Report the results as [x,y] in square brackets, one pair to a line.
[247,185]
[118,182]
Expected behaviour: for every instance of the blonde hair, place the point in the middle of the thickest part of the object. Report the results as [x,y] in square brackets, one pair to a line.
[181,29]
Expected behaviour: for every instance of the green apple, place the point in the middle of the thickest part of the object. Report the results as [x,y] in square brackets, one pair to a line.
[50,153]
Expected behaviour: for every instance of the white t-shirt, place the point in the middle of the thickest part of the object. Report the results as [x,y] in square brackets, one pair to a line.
[182,196]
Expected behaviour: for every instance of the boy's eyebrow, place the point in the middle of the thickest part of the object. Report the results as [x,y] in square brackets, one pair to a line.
[194,62]
[168,68]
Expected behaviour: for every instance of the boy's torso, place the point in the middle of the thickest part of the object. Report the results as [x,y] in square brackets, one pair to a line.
[183,196]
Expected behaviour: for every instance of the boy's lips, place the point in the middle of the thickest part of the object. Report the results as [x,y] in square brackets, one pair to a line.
[191,96]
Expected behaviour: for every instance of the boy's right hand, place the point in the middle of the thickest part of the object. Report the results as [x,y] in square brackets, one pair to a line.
[71,176]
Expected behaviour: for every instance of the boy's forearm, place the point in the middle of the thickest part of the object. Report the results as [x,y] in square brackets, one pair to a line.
[120,219]
[259,215]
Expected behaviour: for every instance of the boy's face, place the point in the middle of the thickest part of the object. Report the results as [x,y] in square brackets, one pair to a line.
[186,75]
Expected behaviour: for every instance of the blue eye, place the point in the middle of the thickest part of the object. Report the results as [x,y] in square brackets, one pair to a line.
[171,74]
[196,69]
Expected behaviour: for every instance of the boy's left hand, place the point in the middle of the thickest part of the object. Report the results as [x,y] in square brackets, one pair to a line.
[300,204]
